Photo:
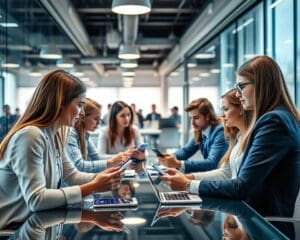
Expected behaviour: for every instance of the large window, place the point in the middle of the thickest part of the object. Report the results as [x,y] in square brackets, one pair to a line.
[250,34]
[228,57]
[281,38]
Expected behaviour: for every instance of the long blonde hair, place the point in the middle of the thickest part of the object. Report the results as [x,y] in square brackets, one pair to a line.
[89,107]
[58,88]
[231,133]
[270,88]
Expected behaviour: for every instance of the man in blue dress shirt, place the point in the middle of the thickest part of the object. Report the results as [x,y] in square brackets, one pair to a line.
[208,139]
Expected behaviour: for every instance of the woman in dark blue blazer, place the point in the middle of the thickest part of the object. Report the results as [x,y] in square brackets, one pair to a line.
[269,174]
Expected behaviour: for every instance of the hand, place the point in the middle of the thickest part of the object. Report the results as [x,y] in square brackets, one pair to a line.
[109,221]
[139,155]
[232,234]
[169,161]
[108,179]
[171,212]
[120,157]
[176,180]
[190,176]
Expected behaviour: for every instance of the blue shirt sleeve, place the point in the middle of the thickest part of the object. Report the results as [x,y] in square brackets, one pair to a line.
[187,151]
[216,151]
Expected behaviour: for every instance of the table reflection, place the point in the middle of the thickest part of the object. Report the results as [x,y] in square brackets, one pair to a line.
[212,219]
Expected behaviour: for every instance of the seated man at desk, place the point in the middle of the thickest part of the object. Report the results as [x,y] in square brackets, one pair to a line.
[208,139]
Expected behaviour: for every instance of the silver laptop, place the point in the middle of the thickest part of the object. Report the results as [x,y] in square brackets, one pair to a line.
[175,197]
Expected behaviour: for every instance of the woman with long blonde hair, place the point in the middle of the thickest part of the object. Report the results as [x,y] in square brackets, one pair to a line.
[236,122]
[32,160]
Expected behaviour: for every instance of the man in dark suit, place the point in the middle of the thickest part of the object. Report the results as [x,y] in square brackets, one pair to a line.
[6,121]
[153,115]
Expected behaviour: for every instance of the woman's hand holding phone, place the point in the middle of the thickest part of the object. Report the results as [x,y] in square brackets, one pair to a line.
[108,179]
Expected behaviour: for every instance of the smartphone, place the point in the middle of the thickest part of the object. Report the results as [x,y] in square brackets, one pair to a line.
[160,172]
[142,146]
[125,165]
[158,153]
[115,202]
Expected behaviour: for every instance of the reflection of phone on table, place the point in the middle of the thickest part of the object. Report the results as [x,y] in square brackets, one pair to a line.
[125,165]
[115,202]
[158,153]
[142,146]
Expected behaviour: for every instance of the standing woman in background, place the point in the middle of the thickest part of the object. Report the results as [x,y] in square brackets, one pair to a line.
[32,160]
[80,148]
[120,135]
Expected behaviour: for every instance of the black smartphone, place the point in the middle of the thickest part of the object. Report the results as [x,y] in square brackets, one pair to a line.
[158,153]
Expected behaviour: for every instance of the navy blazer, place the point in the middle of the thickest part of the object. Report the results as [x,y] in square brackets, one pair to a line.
[212,150]
[269,175]
[149,116]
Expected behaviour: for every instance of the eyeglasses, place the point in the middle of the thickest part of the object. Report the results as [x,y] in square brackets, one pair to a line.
[241,85]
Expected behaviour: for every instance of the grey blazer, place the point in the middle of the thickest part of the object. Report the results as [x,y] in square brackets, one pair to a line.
[29,176]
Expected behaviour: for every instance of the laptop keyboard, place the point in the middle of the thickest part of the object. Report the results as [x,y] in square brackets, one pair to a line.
[176,196]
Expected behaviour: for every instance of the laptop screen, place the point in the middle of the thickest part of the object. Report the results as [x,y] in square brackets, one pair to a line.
[153,185]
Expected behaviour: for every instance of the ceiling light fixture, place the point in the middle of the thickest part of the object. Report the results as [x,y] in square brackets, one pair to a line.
[131,7]
[128,74]
[10,63]
[50,52]
[129,52]
[65,63]
[129,64]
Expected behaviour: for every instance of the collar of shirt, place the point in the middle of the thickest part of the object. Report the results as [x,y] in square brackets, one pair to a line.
[206,131]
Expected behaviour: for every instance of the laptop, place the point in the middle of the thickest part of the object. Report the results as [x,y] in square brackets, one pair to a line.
[175,197]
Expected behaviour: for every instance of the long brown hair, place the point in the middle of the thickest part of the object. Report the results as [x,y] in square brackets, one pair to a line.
[270,88]
[231,133]
[58,88]
[89,107]
[128,134]
[204,106]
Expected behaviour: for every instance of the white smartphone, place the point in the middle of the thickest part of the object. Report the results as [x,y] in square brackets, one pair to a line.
[125,165]
[114,202]
[160,172]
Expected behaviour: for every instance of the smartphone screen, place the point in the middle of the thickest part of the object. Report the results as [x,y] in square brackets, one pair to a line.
[142,147]
[107,201]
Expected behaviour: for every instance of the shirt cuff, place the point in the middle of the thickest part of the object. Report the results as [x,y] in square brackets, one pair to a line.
[182,167]
[102,165]
[194,187]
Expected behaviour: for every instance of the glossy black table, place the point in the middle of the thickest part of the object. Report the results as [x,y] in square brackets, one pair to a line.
[212,219]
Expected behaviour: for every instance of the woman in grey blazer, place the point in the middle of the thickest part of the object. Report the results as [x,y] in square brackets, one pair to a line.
[32,160]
